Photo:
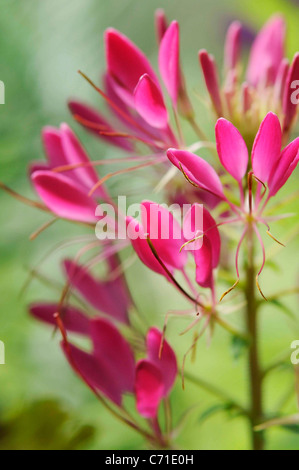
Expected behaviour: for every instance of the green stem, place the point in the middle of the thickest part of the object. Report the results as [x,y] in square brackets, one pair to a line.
[255,375]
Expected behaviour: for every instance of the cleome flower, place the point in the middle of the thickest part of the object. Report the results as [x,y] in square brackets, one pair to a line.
[269,166]
[110,369]
[268,79]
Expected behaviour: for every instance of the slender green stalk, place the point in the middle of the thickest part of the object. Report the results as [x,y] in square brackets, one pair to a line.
[255,375]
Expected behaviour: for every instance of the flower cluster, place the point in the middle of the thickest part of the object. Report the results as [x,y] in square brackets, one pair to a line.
[255,116]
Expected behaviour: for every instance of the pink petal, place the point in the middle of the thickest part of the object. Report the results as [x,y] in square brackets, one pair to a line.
[142,248]
[197,170]
[38,166]
[160,23]
[291,95]
[287,163]
[204,267]
[165,233]
[125,62]
[231,149]
[73,319]
[94,121]
[94,372]
[197,221]
[149,389]
[210,74]
[280,82]
[54,151]
[247,97]
[109,297]
[75,154]
[266,148]
[63,197]
[149,103]
[232,45]
[267,52]
[167,363]
[169,60]
[111,348]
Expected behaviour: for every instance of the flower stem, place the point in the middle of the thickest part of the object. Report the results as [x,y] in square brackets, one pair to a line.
[255,375]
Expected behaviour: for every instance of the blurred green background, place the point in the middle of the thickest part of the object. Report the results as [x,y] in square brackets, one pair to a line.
[42,403]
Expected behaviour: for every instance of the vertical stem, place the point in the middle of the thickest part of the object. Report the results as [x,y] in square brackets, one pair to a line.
[255,376]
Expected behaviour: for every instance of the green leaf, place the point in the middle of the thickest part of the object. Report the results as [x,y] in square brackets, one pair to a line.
[227,407]
[238,347]
[282,307]
[43,425]
[294,428]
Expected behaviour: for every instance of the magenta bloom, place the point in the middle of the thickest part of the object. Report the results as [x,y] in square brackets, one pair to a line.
[269,164]
[269,78]
[134,94]
[66,194]
[108,369]
[155,375]
[165,234]
[110,297]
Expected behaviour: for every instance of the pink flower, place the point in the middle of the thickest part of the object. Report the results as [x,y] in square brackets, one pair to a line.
[134,94]
[271,167]
[110,297]
[155,375]
[206,250]
[66,193]
[266,53]
[165,234]
[107,369]
[74,320]
[110,367]
[268,82]
[269,164]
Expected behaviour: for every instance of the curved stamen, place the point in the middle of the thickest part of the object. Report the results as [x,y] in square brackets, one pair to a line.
[196,339]
[263,262]
[269,233]
[119,172]
[236,265]
[206,231]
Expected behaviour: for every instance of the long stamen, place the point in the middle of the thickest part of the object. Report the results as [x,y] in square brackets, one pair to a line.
[75,166]
[269,233]
[187,178]
[125,135]
[166,319]
[41,229]
[237,266]
[234,208]
[115,107]
[206,231]
[23,199]
[263,263]
[175,282]
[275,239]
[119,172]
[108,132]
[191,325]
[196,339]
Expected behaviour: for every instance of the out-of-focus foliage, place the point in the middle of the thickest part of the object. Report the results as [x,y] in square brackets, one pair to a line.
[44,425]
